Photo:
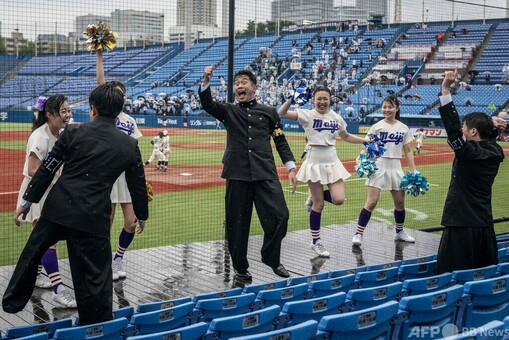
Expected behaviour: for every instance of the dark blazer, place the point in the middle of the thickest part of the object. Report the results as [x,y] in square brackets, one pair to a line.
[94,154]
[474,168]
[248,155]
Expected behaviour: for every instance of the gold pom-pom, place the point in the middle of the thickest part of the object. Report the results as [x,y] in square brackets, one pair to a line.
[150,191]
[99,37]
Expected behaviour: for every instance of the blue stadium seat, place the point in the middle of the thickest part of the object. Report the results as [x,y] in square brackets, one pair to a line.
[357,299]
[265,286]
[192,332]
[49,328]
[502,255]
[296,312]
[376,277]
[307,278]
[153,306]
[206,310]
[371,323]
[426,284]
[385,265]
[421,259]
[303,331]
[39,336]
[259,321]
[417,270]
[160,320]
[493,330]
[485,301]
[343,272]
[503,269]
[125,312]
[419,313]
[331,286]
[462,276]
[280,296]
[111,330]
[220,294]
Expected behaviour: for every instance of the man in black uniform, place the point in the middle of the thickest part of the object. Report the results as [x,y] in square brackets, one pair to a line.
[78,206]
[250,172]
[469,239]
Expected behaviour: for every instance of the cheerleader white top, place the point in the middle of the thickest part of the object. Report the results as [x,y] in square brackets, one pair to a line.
[389,173]
[126,124]
[322,163]
[40,142]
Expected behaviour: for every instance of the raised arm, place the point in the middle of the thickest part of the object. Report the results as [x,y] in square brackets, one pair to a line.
[99,68]
[448,112]
[285,113]
[216,110]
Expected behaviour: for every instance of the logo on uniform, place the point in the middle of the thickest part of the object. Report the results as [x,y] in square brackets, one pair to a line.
[320,125]
[395,138]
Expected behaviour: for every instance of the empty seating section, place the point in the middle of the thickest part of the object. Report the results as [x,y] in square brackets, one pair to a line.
[495,54]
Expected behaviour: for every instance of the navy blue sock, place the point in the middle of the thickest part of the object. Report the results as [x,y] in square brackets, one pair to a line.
[124,240]
[326,196]
[363,220]
[399,217]
[315,219]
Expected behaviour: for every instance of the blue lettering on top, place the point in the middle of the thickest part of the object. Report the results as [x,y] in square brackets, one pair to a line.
[126,127]
[320,125]
[395,138]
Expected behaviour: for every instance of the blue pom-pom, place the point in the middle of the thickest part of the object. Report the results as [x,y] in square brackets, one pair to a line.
[366,166]
[300,95]
[414,184]
[375,148]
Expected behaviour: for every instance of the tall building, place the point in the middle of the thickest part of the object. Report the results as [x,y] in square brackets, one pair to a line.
[225,17]
[200,12]
[137,28]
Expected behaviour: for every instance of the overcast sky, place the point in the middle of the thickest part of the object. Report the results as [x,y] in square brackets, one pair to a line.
[33,17]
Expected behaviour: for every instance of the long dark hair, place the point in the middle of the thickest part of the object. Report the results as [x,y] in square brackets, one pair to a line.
[52,105]
[394,101]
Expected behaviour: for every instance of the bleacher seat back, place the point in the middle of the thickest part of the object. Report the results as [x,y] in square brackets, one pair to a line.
[363,298]
[221,307]
[503,268]
[462,276]
[384,265]
[303,331]
[435,309]
[417,270]
[259,321]
[427,284]
[265,286]
[158,305]
[313,309]
[280,296]
[371,323]
[420,259]
[376,277]
[348,271]
[38,336]
[217,295]
[487,300]
[192,332]
[295,280]
[161,320]
[331,286]
[111,330]
[48,328]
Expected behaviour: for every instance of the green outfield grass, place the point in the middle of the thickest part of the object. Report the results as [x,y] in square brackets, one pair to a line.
[197,215]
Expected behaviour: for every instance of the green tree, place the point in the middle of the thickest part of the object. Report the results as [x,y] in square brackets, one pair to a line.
[3,50]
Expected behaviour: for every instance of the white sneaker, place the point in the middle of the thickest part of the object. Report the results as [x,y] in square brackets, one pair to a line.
[309,203]
[65,299]
[357,239]
[117,267]
[403,236]
[42,281]
[319,248]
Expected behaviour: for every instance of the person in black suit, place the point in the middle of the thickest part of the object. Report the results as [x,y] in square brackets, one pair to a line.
[250,171]
[78,206]
[469,239]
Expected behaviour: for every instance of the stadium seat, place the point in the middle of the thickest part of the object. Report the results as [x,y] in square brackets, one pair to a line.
[503,269]
[280,296]
[303,331]
[484,301]
[417,270]
[493,330]
[125,312]
[331,286]
[502,255]
[385,265]
[362,298]
[192,332]
[462,276]
[259,321]
[296,312]
[112,330]
[220,294]
[419,315]
[206,310]
[426,284]
[343,272]
[39,336]
[371,323]
[307,278]
[160,320]
[49,328]
[421,259]
[265,286]
[153,306]
[375,278]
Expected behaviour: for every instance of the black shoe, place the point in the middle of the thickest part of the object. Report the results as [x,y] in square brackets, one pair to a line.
[244,275]
[281,271]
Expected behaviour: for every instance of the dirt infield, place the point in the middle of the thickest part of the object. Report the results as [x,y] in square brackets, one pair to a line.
[178,177]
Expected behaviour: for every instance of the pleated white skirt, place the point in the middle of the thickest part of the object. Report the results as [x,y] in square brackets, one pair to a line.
[322,165]
[388,176]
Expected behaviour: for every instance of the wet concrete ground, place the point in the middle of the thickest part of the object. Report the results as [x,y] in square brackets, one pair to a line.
[188,269]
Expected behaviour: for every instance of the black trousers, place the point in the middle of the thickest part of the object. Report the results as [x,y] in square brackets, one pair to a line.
[90,261]
[272,211]
[466,248]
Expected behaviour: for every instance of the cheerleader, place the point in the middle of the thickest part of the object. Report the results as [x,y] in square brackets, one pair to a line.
[322,165]
[397,138]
